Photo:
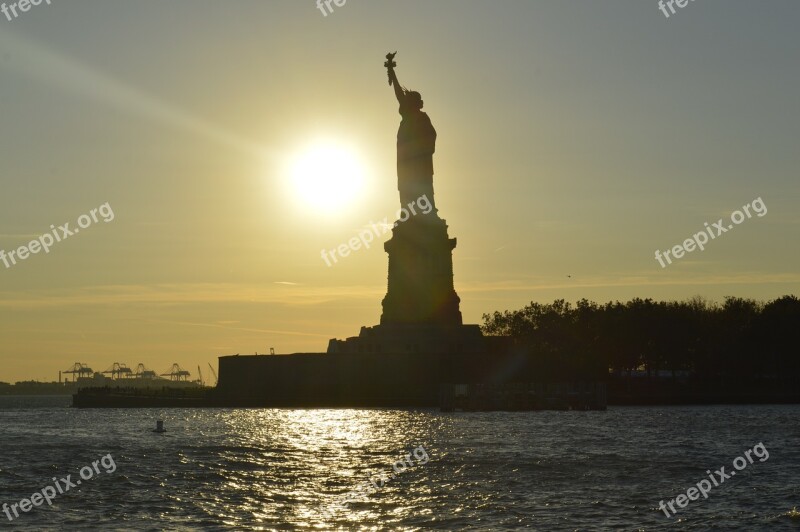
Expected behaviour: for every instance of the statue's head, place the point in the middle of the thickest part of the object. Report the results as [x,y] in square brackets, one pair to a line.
[415,99]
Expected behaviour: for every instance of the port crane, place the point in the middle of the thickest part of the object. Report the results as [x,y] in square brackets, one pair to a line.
[176,373]
[143,373]
[81,370]
[119,371]
[214,373]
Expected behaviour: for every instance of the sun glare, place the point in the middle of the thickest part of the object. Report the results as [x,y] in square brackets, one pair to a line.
[326,177]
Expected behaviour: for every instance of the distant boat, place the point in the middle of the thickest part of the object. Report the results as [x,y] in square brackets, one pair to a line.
[160,426]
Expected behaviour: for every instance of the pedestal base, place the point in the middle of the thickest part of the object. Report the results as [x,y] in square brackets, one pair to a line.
[420,281]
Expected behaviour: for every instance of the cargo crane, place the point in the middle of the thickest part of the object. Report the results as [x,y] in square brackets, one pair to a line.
[119,371]
[176,373]
[81,370]
[143,373]
[200,376]
[214,373]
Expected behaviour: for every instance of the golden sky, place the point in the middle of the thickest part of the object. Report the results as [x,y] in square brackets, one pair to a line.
[575,139]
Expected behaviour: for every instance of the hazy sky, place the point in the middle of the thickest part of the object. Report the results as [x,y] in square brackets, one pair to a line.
[575,139]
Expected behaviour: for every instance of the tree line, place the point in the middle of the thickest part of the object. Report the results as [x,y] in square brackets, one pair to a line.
[737,340]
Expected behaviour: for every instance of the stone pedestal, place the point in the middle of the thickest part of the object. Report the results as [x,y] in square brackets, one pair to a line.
[420,284]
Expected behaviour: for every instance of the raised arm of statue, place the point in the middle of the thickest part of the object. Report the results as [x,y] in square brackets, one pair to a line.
[398,90]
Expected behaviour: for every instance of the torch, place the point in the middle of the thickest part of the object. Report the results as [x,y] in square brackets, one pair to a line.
[390,64]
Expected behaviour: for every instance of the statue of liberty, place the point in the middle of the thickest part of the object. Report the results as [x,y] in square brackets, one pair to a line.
[416,143]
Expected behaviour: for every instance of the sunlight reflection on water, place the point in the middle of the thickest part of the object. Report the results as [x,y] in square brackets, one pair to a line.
[219,469]
[304,461]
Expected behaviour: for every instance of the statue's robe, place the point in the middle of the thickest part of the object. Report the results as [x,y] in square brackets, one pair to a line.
[416,143]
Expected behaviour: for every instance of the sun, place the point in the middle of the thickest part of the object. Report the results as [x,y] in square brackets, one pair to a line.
[326,176]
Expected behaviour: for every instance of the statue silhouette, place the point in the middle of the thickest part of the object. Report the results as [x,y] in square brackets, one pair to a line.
[416,143]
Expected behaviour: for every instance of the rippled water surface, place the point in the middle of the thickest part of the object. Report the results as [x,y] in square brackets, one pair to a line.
[220,469]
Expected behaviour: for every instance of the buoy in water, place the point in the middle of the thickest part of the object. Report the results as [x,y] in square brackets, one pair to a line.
[160,426]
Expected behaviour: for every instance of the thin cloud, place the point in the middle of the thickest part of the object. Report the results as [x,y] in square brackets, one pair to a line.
[189,293]
[632,281]
[244,329]
[9,236]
